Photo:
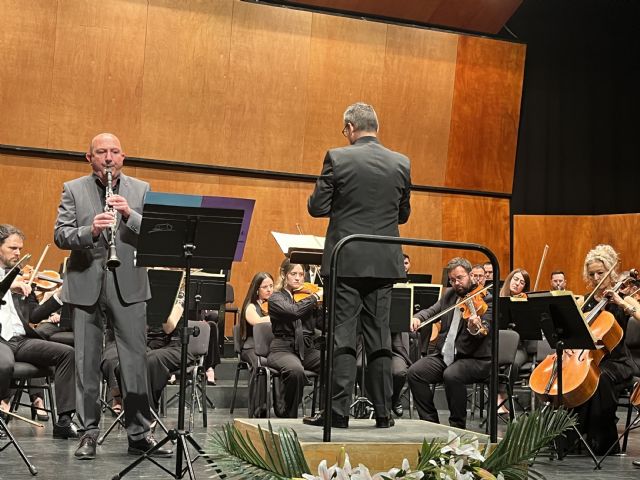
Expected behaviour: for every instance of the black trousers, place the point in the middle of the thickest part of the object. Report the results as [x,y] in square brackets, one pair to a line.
[367,302]
[161,363]
[41,353]
[283,358]
[432,369]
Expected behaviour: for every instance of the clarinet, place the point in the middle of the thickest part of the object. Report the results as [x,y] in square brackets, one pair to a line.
[112,261]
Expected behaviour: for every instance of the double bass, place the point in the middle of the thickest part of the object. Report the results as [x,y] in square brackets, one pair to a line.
[580,368]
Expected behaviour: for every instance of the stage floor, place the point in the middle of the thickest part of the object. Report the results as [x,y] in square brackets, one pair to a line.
[54,458]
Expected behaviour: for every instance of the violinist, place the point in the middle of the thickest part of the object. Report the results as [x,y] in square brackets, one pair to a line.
[515,285]
[19,342]
[478,275]
[463,350]
[627,298]
[292,349]
[597,417]
[254,310]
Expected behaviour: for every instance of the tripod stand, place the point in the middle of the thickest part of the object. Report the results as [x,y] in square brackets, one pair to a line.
[172,227]
[362,407]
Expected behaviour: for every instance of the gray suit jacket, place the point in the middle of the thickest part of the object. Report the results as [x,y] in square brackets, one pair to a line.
[363,188]
[86,266]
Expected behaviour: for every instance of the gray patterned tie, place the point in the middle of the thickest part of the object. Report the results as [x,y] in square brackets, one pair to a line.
[449,349]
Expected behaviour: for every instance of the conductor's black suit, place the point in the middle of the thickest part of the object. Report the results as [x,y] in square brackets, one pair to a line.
[363,188]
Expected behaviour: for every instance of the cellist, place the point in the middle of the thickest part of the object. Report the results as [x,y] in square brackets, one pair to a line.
[597,417]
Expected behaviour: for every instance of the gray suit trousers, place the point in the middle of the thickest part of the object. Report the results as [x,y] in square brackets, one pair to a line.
[129,325]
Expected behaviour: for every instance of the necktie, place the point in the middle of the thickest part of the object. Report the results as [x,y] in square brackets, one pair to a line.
[449,349]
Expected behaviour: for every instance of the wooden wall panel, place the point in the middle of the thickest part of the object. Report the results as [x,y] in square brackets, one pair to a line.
[485,114]
[186,81]
[268,93]
[415,113]
[26,50]
[569,239]
[476,220]
[245,85]
[97,72]
[340,73]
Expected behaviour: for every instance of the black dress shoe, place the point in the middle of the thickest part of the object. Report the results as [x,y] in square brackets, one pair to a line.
[337,420]
[35,414]
[65,431]
[87,448]
[636,463]
[385,422]
[138,447]
[397,409]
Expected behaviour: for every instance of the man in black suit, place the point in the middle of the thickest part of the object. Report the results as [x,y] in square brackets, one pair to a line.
[363,188]
[462,354]
[21,343]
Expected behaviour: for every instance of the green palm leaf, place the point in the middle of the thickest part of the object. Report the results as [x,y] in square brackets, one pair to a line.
[523,440]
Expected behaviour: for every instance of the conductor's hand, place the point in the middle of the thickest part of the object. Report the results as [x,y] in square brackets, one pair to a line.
[320,294]
[120,204]
[100,222]
[415,323]
[21,287]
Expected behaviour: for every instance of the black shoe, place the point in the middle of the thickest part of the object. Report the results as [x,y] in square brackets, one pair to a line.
[636,463]
[385,422]
[337,420]
[138,447]
[65,431]
[397,409]
[87,448]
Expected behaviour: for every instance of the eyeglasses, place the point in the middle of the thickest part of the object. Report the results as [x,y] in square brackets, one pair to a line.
[458,279]
[345,130]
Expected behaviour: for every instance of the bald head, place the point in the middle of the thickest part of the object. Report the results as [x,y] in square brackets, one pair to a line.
[105,151]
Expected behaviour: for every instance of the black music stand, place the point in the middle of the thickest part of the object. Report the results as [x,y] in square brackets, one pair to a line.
[177,232]
[557,314]
[209,292]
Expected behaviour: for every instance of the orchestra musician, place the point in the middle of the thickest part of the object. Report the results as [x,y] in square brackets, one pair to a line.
[88,224]
[478,275]
[558,280]
[363,188]
[462,354]
[488,272]
[254,310]
[597,417]
[292,349]
[515,285]
[19,342]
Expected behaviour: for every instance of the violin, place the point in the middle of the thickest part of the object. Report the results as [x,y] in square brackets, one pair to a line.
[45,280]
[305,291]
[474,305]
[264,307]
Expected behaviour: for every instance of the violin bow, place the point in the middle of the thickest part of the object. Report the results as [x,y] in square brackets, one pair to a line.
[542,260]
[457,305]
[38,265]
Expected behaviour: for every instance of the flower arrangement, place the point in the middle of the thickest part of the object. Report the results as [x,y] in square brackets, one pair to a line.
[458,458]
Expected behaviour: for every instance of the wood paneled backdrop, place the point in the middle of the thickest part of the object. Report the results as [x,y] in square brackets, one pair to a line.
[570,238]
[222,82]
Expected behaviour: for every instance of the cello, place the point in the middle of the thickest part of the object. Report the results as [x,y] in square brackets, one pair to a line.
[580,370]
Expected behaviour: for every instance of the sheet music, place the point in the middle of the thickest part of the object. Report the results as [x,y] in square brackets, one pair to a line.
[288,242]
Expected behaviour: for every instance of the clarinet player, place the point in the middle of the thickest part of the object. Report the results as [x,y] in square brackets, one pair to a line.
[104,283]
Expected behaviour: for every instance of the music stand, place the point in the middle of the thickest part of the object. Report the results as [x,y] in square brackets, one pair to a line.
[557,314]
[177,232]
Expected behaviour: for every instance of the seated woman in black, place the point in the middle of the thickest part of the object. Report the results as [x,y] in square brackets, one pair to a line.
[254,310]
[292,350]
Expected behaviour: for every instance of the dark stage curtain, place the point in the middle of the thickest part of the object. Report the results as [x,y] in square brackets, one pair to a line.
[579,138]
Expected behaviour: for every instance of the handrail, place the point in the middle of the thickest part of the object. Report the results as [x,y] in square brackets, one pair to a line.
[333,274]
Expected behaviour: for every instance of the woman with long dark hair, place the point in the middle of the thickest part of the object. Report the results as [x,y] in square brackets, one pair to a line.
[254,310]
